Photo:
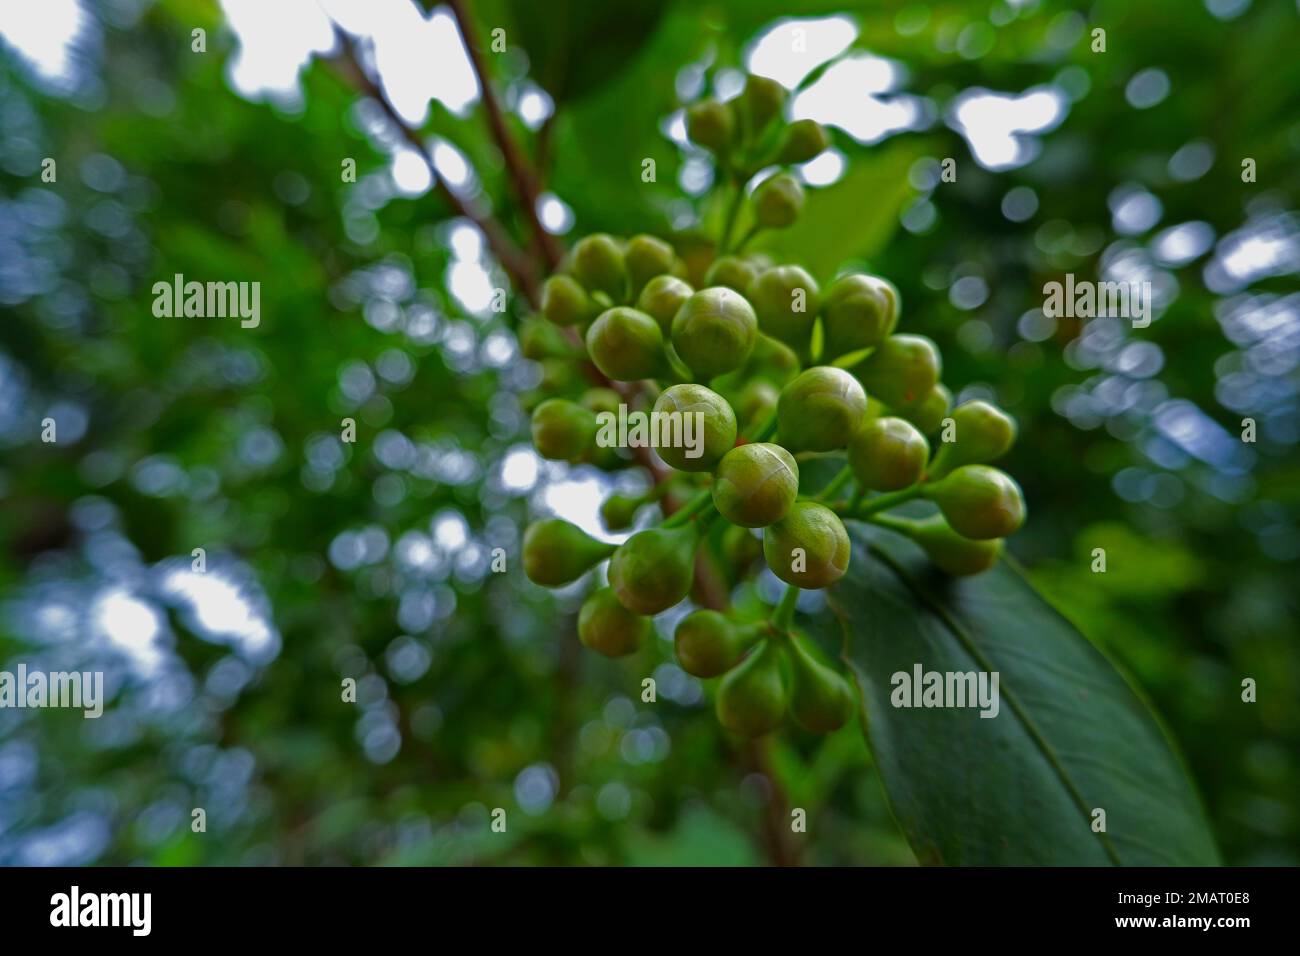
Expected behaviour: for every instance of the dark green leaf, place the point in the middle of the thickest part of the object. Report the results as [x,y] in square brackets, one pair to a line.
[1070,735]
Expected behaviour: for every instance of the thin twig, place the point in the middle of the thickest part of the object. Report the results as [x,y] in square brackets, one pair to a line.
[518,266]
[521,173]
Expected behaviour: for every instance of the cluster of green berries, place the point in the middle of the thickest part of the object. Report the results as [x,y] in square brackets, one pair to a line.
[776,370]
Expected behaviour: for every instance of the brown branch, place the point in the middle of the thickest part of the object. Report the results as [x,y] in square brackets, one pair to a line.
[517,265]
[521,174]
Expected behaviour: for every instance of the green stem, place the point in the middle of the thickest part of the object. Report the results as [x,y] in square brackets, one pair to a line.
[842,478]
[814,455]
[754,230]
[885,501]
[689,510]
[706,520]
[733,211]
[784,612]
[893,523]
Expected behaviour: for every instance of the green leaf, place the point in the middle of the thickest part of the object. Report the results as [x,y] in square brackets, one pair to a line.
[603,140]
[576,46]
[852,218]
[1070,734]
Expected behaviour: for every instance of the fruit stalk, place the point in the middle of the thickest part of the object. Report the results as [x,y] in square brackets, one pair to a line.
[784,613]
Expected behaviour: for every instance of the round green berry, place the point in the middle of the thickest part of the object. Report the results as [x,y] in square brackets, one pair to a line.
[541,340]
[563,430]
[928,414]
[752,696]
[979,502]
[652,570]
[566,302]
[557,373]
[785,299]
[858,312]
[662,297]
[981,433]
[771,360]
[734,272]
[597,262]
[557,552]
[820,699]
[606,626]
[809,547]
[888,454]
[760,103]
[697,429]
[626,344]
[711,124]
[950,552]
[714,331]
[617,512]
[755,485]
[601,400]
[820,410]
[756,402]
[777,201]
[708,644]
[901,369]
[647,257]
[804,139]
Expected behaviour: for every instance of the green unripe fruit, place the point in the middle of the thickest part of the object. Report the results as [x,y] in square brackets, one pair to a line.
[599,265]
[566,302]
[786,301]
[760,103]
[563,430]
[820,699]
[752,697]
[708,427]
[981,433]
[557,373]
[711,124]
[820,410]
[928,414]
[901,370]
[949,551]
[601,400]
[858,312]
[757,401]
[777,201]
[539,340]
[804,140]
[979,502]
[647,257]
[714,331]
[709,644]
[619,511]
[652,570]
[606,626]
[662,297]
[888,454]
[809,547]
[733,272]
[626,344]
[557,552]
[756,484]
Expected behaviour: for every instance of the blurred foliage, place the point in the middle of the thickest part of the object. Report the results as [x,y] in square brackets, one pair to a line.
[369,560]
